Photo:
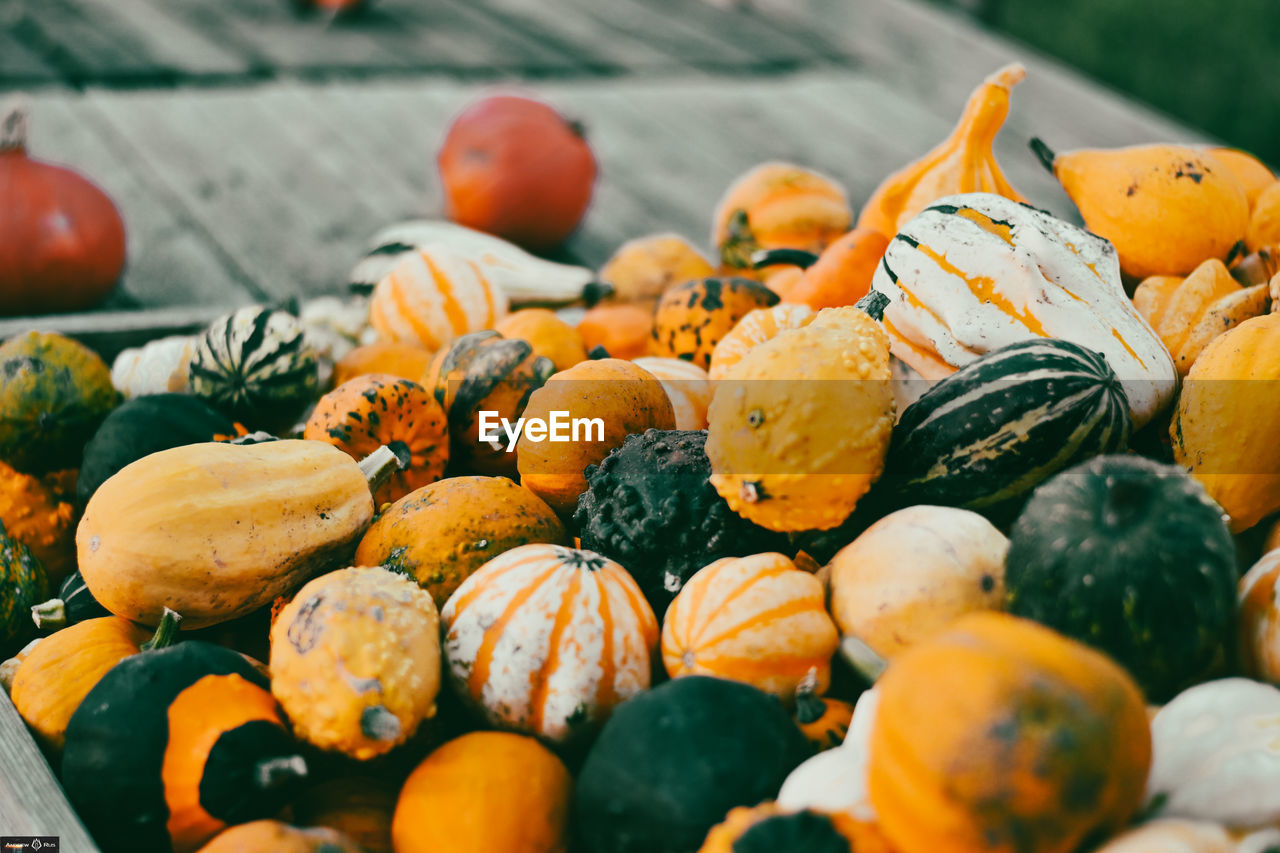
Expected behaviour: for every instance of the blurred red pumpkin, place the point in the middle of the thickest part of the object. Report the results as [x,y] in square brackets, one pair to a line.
[516,168]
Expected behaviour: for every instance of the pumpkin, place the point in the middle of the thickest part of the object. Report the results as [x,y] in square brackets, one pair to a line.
[190,741]
[835,780]
[144,426]
[408,361]
[913,573]
[1259,619]
[756,619]
[485,372]
[1042,744]
[157,367]
[972,273]
[755,328]
[434,295]
[439,534]
[74,604]
[1165,208]
[1254,175]
[55,677]
[262,835]
[674,760]
[961,163]
[55,393]
[485,791]
[359,807]
[691,318]
[766,828]
[514,167]
[687,388]
[256,366]
[23,584]
[621,397]
[823,721]
[35,512]
[622,329]
[642,269]
[355,661]
[550,337]
[1172,835]
[777,205]
[1264,224]
[218,530]
[841,275]
[649,506]
[62,244]
[547,640]
[797,431]
[376,409]
[1221,428]
[1189,312]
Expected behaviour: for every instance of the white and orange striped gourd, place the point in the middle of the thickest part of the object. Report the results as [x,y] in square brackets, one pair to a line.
[757,619]
[687,387]
[757,327]
[977,271]
[434,295]
[546,640]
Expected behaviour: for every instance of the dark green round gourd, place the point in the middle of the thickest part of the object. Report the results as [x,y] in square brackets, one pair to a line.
[801,832]
[671,762]
[142,426]
[1133,558]
[23,584]
[191,728]
[73,604]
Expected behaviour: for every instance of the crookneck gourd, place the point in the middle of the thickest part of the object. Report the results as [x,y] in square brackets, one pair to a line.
[975,272]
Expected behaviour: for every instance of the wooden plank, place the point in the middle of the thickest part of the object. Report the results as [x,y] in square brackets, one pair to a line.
[109,332]
[90,43]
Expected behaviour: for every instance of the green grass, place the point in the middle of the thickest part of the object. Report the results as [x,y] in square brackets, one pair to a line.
[1213,64]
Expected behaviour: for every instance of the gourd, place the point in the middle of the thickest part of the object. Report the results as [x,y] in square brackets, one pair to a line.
[841,275]
[975,272]
[985,436]
[36,512]
[55,393]
[377,409]
[433,295]
[218,530]
[1258,267]
[1172,835]
[1131,557]
[547,640]
[360,807]
[355,661]
[1044,744]
[913,573]
[961,163]
[800,432]
[691,318]
[649,506]
[1264,224]
[777,205]
[1220,427]
[756,619]
[835,780]
[55,677]
[1252,173]
[157,367]
[822,720]
[262,835]
[189,742]
[767,827]
[550,337]
[755,328]
[23,584]
[1259,646]
[1189,312]
[1165,208]
[516,168]
[674,760]
[62,241]
[440,534]
[143,426]
[687,386]
[256,366]
[74,604]
[626,398]
[641,270]
[408,361]
[624,330]
[485,791]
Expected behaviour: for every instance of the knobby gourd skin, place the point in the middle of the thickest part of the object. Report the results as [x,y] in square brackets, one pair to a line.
[641,270]
[37,514]
[693,317]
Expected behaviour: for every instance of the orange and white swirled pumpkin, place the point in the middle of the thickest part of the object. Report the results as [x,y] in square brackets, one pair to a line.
[686,385]
[757,327]
[434,295]
[546,640]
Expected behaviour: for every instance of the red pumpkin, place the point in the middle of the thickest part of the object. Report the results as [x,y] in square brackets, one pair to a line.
[61,239]
[516,168]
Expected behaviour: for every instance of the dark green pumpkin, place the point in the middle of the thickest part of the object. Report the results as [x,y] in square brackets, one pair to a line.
[143,426]
[1133,558]
[74,604]
[183,736]
[801,832]
[53,394]
[23,584]
[671,762]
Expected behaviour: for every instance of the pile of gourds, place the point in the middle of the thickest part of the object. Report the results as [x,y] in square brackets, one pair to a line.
[918,532]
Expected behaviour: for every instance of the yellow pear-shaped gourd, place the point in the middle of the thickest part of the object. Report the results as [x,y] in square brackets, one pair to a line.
[1166,208]
[962,163]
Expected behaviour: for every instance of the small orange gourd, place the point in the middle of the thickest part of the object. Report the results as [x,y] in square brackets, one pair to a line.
[841,275]
[1259,623]
[1264,222]
[643,268]
[687,386]
[260,836]
[822,720]
[406,360]
[691,318]
[550,337]
[1254,175]
[39,513]
[758,326]
[622,329]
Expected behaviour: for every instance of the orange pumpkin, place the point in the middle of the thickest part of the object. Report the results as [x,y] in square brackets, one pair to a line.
[758,326]
[1002,735]
[406,360]
[550,337]
[770,827]
[841,275]
[260,836]
[369,411]
[432,296]
[622,329]
[1260,619]
[757,619]
[687,386]
[691,318]
[547,640]
[822,720]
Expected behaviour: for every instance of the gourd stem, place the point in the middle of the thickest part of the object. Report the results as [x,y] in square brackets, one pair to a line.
[773,257]
[1044,152]
[594,291]
[271,774]
[809,705]
[379,465]
[50,615]
[13,126]
[165,631]
[862,658]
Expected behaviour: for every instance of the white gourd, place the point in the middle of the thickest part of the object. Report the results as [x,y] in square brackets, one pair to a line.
[836,780]
[158,367]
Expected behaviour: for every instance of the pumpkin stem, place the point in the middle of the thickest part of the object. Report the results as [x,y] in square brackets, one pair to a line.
[594,291]
[13,126]
[777,257]
[272,774]
[809,705]
[740,243]
[50,615]
[379,465]
[165,631]
[1044,152]
[862,658]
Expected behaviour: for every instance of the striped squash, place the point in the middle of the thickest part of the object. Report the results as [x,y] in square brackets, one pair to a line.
[156,367]
[756,619]
[974,272]
[434,295]
[992,431]
[546,640]
[686,386]
[757,327]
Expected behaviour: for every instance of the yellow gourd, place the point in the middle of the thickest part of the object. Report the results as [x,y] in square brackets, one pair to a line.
[1252,173]
[643,268]
[1264,224]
